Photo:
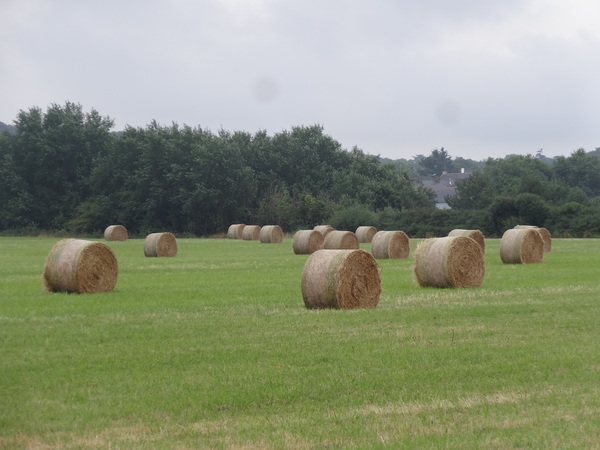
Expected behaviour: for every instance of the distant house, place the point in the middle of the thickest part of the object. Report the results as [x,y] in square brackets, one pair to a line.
[444,186]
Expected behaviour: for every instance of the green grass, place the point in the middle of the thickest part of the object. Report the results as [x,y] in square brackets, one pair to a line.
[215,349]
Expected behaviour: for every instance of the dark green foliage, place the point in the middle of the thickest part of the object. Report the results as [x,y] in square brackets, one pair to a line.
[63,170]
[352,217]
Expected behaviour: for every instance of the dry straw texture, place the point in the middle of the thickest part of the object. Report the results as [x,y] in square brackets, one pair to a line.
[75,265]
[390,245]
[341,279]
[521,246]
[306,242]
[341,240]
[271,234]
[324,229]
[160,244]
[544,234]
[365,234]
[473,234]
[453,261]
[251,233]
[235,231]
[116,233]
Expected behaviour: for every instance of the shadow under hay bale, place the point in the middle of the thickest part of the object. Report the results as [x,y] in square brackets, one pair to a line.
[341,279]
[235,231]
[390,245]
[160,244]
[521,246]
[271,234]
[544,234]
[116,233]
[306,242]
[251,233]
[365,234]
[324,229]
[454,261]
[85,267]
[476,235]
[341,240]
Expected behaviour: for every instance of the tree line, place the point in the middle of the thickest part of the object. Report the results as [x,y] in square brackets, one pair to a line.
[65,170]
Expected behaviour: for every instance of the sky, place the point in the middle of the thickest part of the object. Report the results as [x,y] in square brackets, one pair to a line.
[395,78]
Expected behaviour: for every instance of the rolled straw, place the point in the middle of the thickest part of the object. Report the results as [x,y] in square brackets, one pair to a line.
[75,265]
[454,261]
[341,279]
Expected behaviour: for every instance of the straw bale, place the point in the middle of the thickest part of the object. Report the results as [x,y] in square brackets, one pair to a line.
[160,244]
[235,231]
[521,246]
[365,234]
[251,233]
[115,233]
[341,240]
[473,234]
[341,279]
[324,229]
[271,234]
[306,242]
[390,245]
[453,261]
[76,265]
[544,234]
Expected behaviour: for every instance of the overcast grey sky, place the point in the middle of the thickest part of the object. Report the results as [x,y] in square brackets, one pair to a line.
[396,78]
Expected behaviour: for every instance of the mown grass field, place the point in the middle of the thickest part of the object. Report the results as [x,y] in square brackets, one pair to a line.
[215,349]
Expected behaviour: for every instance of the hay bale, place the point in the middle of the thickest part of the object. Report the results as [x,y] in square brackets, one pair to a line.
[390,245]
[544,234]
[341,279]
[473,234]
[365,234]
[453,261]
[235,231]
[306,242]
[76,265]
[271,234]
[251,233]
[115,233]
[160,244]
[341,240]
[521,246]
[324,229]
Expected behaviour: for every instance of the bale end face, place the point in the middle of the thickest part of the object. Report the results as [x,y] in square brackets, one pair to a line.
[341,279]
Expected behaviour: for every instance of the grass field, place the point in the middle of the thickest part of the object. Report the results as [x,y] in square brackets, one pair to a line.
[215,349]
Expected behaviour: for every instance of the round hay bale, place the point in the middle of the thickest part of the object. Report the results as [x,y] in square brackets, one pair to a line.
[365,234]
[324,229]
[76,265]
[341,279]
[544,234]
[390,245]
[341,240]
[116,233]
[160,244]
[271,234]
[521,246]
[306,242]
[235,231]
[251,233]
[453,261]
[473,234]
